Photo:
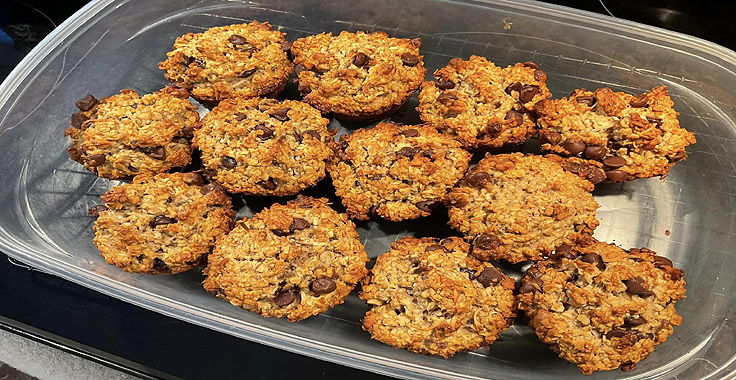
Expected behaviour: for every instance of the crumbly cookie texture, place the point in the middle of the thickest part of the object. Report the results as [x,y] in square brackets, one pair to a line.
[397,172]
[264,146]
[358,76]
[432,298]
[161,224]
[482,105]
[602,307]
[242,60]
[630,136]
[515,207]
[121,136]
[294,260]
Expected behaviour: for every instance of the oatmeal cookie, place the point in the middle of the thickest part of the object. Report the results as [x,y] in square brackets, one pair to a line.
[264,146]
[397,172]
[630,136]
[432,298]
[242,60]
[602,307]
[161,224]
[482,105]
[294,260]
[121,136]
[515,207]
[357,76]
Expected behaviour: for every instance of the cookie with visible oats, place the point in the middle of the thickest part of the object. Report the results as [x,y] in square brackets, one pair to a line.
[629,136]
[162,224]
[602,307]
[397,172]
[482,105]
[242,60]
[432,298]
[121,136]
[288,261]
[264,146]
[357,76]
[517,207]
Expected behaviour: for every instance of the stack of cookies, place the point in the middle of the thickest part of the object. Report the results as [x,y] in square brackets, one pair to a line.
[596,305]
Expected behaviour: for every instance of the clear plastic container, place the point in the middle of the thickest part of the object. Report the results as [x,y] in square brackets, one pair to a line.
[113,44]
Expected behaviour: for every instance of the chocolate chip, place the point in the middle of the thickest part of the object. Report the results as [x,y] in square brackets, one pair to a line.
[158,153]
[285,297]
[86,103]
[95,160]
[446,98]
[634,321]
[210,187]
[494,127]
[617,333]
[516,86]
[486,241]
[594,258]
[531,64]
[655,121]
[281,114]
[186,132]
[676,274]
[678,156]
[299,224]
[573,147]
[78,119]
[239,116]
[298,69]
[444,84]
[410,132]
[490,275]
[409,59]
[588,100]
[96,210]
[552,138]
[528,92]
[280,232]
[193,179]
[638,101]
[527,288]
[477,178]
[428,153]
[408,151]
[286,46]
[596,176]
[237,39]
[361,60]
[616,175]
[614,162]
[636,286]
[229,162]
[595,152]
[660,261]
[427,206]
[540,76]
[160,266]
[323,285]
[515,116]
[247,73]
[267,132]
[161,220]
[268,184]
[435,247]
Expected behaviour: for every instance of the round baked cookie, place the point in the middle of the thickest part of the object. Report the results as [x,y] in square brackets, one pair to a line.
[482,105]
[357,76]
[161,224]
[602,307]
[517,207]
[630,136]
[121,136]
[242,60]
[432,298]
[264,146]
[294,260]
[397,172]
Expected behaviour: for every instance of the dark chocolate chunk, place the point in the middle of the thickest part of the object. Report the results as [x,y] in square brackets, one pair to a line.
[158,153]
[281,114]
[78,119]
[636,286]
[486,241]
[323,285]
[638,101]
[86,103]
[409,59]
[267,132]
[161,220]
[594,258]
[444,84]
[573,147]
[489,276]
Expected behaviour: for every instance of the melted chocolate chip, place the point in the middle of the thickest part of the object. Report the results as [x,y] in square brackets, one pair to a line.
[161,220]
[323,285]
[616,175]
[486,241]
[540,76]
[446,98]
[594,258]
[515,116]
[266,132]
[268,184]
[408,151]
[229,162]
[573,147]
[552,138]
[193,179]
[427,206]
[95,160]
[444,84]
[635,286]
[614,162]
[435,247]
[638,101]
[281,114]
[410,132]
[239,116]
[96,210]
[530,64]
[158,153]
[247,73]
[495,127]
[617,333]
[489,276]
[285,297]
[588,100]
[528,92]
[361,60]
[660,261]
[477,178]
[237,39]
[516,86]
[595,152]
[409,59]
[634,321]
[299,224]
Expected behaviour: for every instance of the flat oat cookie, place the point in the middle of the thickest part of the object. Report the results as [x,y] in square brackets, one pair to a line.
[294,260]
[242,60]
[482,105]
[121,136]
[264,146]
[357,76]
[161,224]
[515,207]
[602,307]
[432,298]
[629,136]
[397,172]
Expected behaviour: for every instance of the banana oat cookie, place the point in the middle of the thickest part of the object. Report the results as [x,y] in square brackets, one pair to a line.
[432,298]
[515,207]
[397,172]
[602,307]
[264,146]
[357,76]
[294,260]
[161,224]
[121,136]
[630,136]
[483,105]
[242,60]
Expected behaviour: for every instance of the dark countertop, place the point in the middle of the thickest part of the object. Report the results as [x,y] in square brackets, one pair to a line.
[76,319]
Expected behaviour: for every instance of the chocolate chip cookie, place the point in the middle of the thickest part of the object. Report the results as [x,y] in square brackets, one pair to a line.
[161,224]
[121,136]
[357,76]
[602,307]
[432,298]
[243,60]
[397,172]
[482,105]
[264,146]
[630,136]
[515,207]
[294,260]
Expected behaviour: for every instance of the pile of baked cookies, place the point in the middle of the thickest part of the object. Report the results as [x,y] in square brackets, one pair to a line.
[596,305]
